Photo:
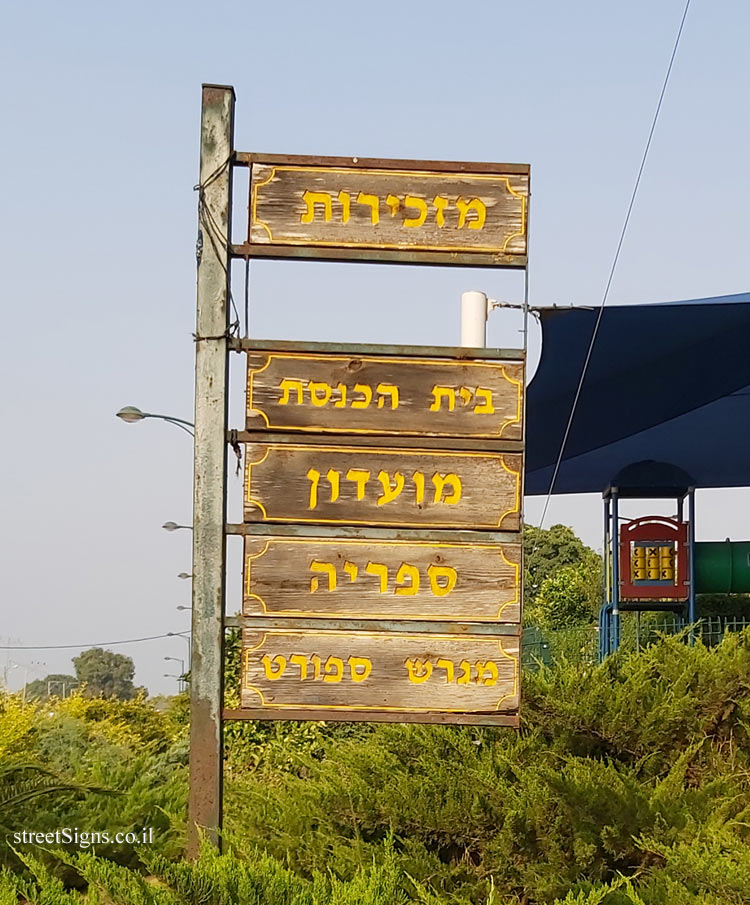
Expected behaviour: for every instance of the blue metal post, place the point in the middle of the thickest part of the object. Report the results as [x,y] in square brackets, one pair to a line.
[604,612]
[615,571]
[692,607]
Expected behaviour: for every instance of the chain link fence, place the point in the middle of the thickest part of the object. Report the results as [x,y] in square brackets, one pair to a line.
[580,643]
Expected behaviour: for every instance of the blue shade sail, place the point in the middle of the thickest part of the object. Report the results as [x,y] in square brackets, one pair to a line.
[667,383]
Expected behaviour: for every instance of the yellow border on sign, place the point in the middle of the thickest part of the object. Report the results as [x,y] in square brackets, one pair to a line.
[249,595]
[251,372]
[350,707]
[250,501]
[496,177]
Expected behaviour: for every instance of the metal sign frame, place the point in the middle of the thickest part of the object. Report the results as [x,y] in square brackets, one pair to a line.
[215,251]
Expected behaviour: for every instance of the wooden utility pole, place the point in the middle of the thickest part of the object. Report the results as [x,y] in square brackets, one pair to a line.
[209,491]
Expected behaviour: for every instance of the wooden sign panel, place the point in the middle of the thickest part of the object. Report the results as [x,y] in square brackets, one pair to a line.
[388,395]
[339,485]
[394,672]
[409,206]
[377,579]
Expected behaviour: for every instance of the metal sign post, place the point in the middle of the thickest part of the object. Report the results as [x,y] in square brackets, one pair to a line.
[209,491]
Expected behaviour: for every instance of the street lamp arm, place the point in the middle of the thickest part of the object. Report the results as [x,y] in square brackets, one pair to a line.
[131,414]
[180,424]
[168,418]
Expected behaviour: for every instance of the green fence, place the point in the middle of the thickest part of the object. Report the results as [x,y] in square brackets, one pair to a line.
[580,643]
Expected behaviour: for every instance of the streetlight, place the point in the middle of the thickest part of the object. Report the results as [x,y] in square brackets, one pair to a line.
[173,526]
[182,669]
[184,575]
[171,675]
[185,638]
[33,666]
[181,607]
[130,414]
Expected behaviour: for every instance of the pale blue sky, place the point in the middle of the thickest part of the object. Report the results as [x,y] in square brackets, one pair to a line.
[99,154]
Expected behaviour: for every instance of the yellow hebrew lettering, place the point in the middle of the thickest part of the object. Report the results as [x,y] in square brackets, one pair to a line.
[274,667]
[340,403]
[380,570]
[320,388]
[393,203]
[374,204]
[359,663]
[486,408]
[421,206]
[474,205]
[419,670]
[410,574]
[326,568]
[345,202]
[351,570]
[440,206]
[334,670]
[418,479]
[486,672]
[447,665]
[466,677]
[366,392]
[314,477]
[441,393]
[466,395]
[390,493]
[387,389]
[360,478]
[317,663]
[440,481]
[299,660]
[313,198]
[333,479]
[436,573]
[287,386]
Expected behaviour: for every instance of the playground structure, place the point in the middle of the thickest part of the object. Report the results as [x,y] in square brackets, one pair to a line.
[646,402]
[653,563]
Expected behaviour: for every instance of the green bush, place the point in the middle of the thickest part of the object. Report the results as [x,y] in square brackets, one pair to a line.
[109,764]
[654,744]
[627,784]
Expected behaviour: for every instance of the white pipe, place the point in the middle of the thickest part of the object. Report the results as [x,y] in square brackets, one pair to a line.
[474,320]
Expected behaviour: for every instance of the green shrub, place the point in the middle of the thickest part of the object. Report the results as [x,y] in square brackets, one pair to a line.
[628,784]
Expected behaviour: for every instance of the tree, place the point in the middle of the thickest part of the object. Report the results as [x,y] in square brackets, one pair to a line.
[56,685]
[570,596]
[548,550]
[105,674]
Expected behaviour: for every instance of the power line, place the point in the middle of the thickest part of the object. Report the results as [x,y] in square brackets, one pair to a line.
[614,263]
[81,646]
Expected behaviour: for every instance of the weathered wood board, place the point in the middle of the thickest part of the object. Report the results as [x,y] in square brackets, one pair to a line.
[411,209]
[507,720]
[384,395]
[338,577]
[289,482]
[378,671]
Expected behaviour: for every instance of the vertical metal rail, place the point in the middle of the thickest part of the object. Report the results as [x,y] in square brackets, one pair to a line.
[615,569]
[526,280]
[692,613]
[209,488]
[604,611]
